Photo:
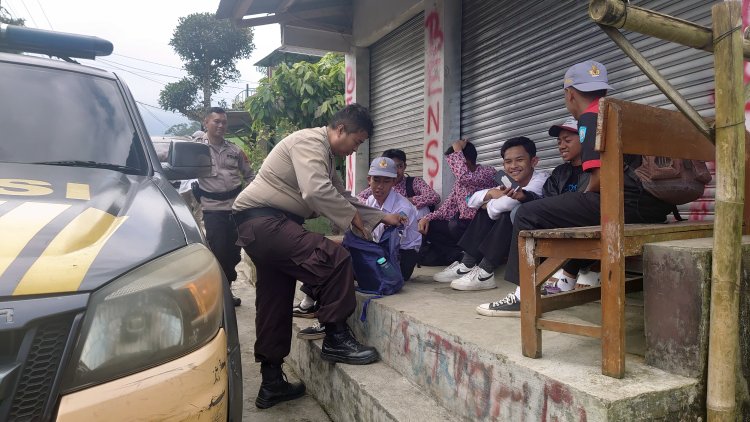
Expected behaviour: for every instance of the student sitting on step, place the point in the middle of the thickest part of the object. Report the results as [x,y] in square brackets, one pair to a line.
[487,238]
[445,226]
[415,189]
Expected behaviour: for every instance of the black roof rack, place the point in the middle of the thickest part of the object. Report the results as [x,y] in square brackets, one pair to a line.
[52,43]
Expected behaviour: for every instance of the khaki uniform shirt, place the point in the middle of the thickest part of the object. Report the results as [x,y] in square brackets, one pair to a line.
[299,177]
[229,167]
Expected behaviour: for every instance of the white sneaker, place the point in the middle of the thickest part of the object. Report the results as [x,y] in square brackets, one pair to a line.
[588,278]
[451,272]
[476,279]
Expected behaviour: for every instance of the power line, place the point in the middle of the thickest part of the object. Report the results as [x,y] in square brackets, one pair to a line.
[27,11]
[152,114]
[138,68]
[166,65]
[45,15]
[11,11]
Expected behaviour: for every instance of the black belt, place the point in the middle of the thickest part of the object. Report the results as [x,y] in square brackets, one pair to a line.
[216,196]
[249,213]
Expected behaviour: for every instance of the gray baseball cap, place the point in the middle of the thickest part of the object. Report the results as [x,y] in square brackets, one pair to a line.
[383,166]
[587,76]
[571,125]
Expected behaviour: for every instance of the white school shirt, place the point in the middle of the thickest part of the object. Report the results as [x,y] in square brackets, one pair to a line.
[396,203]
[495,207]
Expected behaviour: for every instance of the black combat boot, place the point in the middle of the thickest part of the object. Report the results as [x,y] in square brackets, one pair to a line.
[339,345]
[275,388]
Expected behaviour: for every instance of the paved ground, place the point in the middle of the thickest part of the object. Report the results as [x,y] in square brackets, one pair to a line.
[305,409]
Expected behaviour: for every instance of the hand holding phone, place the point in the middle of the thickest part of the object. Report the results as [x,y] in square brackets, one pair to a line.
[503,179]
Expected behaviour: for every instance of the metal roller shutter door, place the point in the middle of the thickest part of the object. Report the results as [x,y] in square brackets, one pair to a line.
[397,93]
[514,55]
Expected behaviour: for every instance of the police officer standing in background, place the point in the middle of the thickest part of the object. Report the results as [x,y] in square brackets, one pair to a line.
[298,180]
[217,192]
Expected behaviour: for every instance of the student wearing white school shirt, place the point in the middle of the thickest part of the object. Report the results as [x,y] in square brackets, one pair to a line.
[382,177]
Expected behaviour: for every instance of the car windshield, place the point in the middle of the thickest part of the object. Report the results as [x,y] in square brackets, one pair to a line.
[58,117]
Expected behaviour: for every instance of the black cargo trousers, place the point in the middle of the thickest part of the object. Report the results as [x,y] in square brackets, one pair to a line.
[221,234]
[284,252]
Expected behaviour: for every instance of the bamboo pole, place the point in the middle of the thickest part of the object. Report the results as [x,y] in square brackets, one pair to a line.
[726,258]
[662,83]
[625,16]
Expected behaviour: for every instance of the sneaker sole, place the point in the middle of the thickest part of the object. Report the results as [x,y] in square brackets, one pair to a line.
[491,313]
[350,361]
[316,336]
[265,404]
[308,316]
[447,278]
[470,288]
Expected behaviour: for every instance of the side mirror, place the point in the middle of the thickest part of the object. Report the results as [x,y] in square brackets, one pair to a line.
[187,160]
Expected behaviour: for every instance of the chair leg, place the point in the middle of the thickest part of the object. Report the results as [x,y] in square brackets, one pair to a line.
[613,317]
[531,336]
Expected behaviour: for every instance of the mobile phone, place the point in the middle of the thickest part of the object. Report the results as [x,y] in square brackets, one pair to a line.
[503,179]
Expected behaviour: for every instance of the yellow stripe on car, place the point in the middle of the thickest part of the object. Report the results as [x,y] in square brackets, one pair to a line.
[68,257]
[21,224]
[78,191]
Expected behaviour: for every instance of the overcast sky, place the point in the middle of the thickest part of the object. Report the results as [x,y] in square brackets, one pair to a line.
[140,31]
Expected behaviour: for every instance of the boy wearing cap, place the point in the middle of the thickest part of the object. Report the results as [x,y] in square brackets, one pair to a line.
[381,178]
[584,84]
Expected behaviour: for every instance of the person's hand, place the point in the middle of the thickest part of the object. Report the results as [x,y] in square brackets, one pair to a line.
[393,219]
[518,195]
[423,226]
[459,145]
[411,200]
[495,193]
[357,222]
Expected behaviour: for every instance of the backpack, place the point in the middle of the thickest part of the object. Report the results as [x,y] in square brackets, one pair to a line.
[410,190]
[370,277]
[673,180]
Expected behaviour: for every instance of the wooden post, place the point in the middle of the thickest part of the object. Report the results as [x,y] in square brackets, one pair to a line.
[625,16]
[726,259]
[531,336]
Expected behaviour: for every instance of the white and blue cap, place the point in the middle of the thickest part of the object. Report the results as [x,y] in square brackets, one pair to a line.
[587,76]
[383,166]
[571,125]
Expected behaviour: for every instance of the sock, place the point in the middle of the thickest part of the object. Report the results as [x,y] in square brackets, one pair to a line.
[468,260]
[518,292]
[307,302]
[487,267]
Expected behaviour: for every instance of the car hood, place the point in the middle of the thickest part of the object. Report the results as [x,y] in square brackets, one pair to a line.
[72,229]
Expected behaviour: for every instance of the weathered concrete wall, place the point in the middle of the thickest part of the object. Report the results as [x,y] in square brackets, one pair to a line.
[481,385]
[677,292]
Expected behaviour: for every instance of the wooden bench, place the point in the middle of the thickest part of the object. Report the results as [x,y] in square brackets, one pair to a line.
[623,128]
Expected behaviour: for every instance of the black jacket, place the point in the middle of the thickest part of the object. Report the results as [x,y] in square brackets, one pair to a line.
[564,178]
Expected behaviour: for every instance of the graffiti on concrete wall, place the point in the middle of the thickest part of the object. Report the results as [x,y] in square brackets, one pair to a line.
[433,95]
[467,381]
[350,84]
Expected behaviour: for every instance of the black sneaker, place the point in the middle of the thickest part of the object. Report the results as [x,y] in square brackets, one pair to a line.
[509,306]
[317,331]
[341,346]
[300,312]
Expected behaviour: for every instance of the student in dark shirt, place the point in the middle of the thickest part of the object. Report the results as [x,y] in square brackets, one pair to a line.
[584,84]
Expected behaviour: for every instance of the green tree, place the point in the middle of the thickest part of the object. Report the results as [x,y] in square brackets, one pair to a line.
[210,49]
[183,129]
[6,18]
[303,95]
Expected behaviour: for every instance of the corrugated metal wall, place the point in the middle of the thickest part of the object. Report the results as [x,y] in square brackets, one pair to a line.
[397,93]
[515,53]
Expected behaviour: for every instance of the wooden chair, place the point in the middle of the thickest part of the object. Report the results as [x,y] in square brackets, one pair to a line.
[623,128]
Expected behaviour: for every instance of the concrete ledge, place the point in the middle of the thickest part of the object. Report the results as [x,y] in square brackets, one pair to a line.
[472,365]
[367,393]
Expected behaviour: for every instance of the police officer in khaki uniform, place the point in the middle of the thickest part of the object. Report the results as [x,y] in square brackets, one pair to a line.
[298,180]
[217,192]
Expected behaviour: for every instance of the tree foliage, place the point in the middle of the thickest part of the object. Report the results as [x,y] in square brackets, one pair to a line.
[303,95]
[183,129]
[5,17]
[210,49]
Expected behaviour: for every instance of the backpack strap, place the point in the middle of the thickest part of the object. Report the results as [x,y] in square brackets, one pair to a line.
[410,186]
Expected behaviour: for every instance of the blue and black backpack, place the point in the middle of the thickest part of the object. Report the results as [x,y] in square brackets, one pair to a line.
[370,276]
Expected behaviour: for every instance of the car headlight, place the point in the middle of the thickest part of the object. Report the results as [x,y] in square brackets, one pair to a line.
[153,314]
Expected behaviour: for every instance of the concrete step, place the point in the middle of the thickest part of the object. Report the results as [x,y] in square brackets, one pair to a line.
[370,393]
[472,365]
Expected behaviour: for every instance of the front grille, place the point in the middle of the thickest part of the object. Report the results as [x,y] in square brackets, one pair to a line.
[40,366]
